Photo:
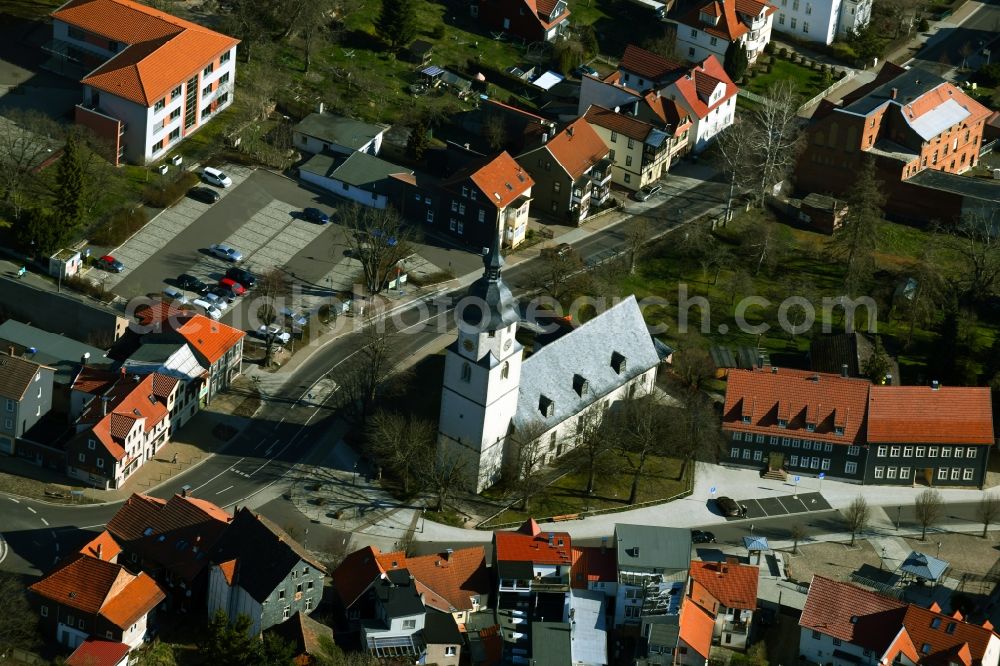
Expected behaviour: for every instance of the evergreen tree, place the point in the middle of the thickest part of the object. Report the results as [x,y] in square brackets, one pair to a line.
[857,242]
[68,203]
[225,644]
[417,142]
[736,61]
[397,22]
[879,364]
[38,232]
[276,651]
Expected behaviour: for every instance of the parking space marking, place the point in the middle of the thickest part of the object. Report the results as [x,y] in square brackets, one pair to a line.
[792,505]
[773,506]
[782,506]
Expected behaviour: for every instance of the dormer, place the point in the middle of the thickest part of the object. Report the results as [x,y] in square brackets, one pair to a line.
[811,411]
[618,363]
[546,406]
[784,413]
[707,18]
[840,421]
[746,412]
[559,8]
[581,385]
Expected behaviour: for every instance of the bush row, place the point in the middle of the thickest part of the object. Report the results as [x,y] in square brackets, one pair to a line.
[167,195]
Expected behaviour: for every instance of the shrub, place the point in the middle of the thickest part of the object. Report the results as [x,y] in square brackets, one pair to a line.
[438,31]
[768,68]
[120,225]
[85,286]
[845,52]
[769,48]
[923,25]
[782,52]
[989,75]
[169,194]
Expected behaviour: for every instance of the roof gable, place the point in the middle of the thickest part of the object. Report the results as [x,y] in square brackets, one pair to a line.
[696,626]
[356,574]
[852,613]
[132,402]
[453,578]
[577,148]
[210,339]
[697,85]
[648,65]
[734,585]
[502,180]
[16,375]
[95,652]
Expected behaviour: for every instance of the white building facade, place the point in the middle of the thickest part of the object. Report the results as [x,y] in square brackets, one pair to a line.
[821,21]
[704,32]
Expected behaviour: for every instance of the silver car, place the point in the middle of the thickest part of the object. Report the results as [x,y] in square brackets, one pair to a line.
[223,251]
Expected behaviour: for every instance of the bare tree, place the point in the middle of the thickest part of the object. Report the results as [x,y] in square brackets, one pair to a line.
[733,151]
[639,425]
[560,275]
[774,145]
[988,510]
[401,444]
[272,287]
[365,373]
[763,242]
[595,442]
[739,285]
[927,508]
[798,532]
[924,302]
[692,366]
[694,433]
[636,236]
[857,515]
[379,241]
[27,138]
[976,240]
[527,472]
[441,475]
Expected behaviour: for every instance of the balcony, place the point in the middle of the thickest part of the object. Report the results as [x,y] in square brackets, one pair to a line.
[540,584]
[735,627]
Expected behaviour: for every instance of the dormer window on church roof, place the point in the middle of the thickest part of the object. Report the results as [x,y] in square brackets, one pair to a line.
[546,406]
[618,363]
[580,385]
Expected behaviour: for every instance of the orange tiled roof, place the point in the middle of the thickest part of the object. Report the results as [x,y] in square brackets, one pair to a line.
[129,401]
[530,544]
[109,547]
[920,414]
[592,564]
[94,381]
[95,652]
[669,112]
[100,587]
[852,614]
[799,397]
[209,338]
[163,50]
[356,573]
[542,9]
[618,122]
[697,86]
[734,585]
[453,579]
[729,26]
[502,180]
[577,148]
[647,64]
[696,627]
[947,636]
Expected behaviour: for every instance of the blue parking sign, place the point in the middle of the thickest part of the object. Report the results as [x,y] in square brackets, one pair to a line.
[822,475]
[797,479]
[712,490]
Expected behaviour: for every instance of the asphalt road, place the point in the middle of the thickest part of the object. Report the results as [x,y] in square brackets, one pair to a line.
[288,427]
[945,51]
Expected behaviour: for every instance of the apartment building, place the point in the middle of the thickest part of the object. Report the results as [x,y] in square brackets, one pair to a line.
[708,28]
[821,20]
[25,395]
[653,564]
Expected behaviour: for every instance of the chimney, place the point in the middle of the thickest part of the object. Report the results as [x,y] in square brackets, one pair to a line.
[604,544]
[935,385]
[104,405]
[893,93]
[123,371]
[448,553]
[184,491]
[11,352]
[569,131]
[545,137]
[774,369]
[319,108]
[99,549]
[843,370]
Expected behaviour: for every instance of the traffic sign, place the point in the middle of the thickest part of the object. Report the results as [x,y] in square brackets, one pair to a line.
[712,490]
[797,479]
[822,475]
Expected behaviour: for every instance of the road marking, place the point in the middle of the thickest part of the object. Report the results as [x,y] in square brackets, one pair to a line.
[46,522]
[3,549]
[259,443]
[14,500]
[31,510]
[219,474]
[223,490]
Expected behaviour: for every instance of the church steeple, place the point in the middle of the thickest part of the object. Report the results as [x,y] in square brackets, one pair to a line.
[490,306]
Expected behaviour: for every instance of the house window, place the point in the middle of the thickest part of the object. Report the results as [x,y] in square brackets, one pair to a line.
[850,468]
[805,26]
[838,430]
[208,70]
[309,585]
[482,215]
[80,623]
[159,105]
[737,437]
[827,448]
[793,461]
[932,452]
[175,114]
[100,462]
[713,41]
[174,135]
[556,186]
[853,450]
[505,370]
[694,33]
[879,472]
[945,452]
[734,453]
[881,452]
[461,227]
[465,191]
[970,452]
[45,611]
[10,405]
[81,457]
[691,51]
[967,474]
[809,9]
[309,604]
[959,451]
[894,451]
[430,216]
[746,454]
[628,159]
[628,178]
[904,473]
[942,473]
[837,641]
[816,636]
[921,451]
[461,209]
[631,143]
[781,18]
[794,21]
[891,473]
[454,206]
[758,455]
[281,594]
[773,439]
[614,137]
[466,373]
[907,451]
[825,464]
[955,472]
[611,154]
[409,624]
[91,444]
[286,613]
[759,439]
[450,650]
[806,444]
[224,78]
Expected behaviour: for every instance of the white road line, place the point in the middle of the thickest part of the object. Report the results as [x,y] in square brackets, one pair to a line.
[31,510]
[14,500]
[90,527]
[223,490]
[46,522]
[3,549]
[219,474]
[259,443]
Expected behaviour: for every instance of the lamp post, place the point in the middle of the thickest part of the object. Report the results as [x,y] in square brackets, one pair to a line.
[354,481]
[881,561]
[899,510]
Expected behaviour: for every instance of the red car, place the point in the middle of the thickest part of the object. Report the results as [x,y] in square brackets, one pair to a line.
[233,286]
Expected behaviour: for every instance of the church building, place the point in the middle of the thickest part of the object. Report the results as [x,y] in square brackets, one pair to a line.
[492,392]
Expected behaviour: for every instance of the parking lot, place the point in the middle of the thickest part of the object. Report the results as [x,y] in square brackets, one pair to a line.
[769,507]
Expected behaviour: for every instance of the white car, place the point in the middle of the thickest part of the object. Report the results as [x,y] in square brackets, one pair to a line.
[217,301]
[223,251]
[215,177]
[279,334]
[295,318]
[209,309]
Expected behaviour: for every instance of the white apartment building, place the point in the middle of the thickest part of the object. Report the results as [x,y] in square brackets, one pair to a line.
[149,79]
[709,96]
[708,28]
[821,21]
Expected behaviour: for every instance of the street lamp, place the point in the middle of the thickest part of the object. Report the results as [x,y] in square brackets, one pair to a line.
[881,561]
[938,554]
[354,481]
[899,510]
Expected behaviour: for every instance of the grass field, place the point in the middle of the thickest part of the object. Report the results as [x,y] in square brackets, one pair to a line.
[808,82]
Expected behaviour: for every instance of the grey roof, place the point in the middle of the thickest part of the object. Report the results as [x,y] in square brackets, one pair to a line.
[56,351]
[823,202]
[551,643]
[455,80]
[586,352]
[440,629]
[490,306]
[347,132]
[589,643]
[977,188]
[656,138]
[646,546]
[397,593]
[16,375]
[755,543]
[923,566]
[659,630]
[359,169]
[909,85]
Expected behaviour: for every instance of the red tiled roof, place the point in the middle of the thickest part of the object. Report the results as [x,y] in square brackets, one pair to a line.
[697,86]
[947,637]
[577,148]
[829,402]
[696,627]
[542,9]
[208,338]
[159,312]
[729,26]
[95,652]
[733,585]
[521,547]
[593,564]
[128,402]
[647,64]
[932,99]
[453,580]
[618,122]
[100,587]
[502,180]
[356,573]
[109,547]
[164,50]
[669,111]
[94,381]
[920,414]
[852,614]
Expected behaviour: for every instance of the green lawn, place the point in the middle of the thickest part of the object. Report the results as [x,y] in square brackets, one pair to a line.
[808,82]
[29,9]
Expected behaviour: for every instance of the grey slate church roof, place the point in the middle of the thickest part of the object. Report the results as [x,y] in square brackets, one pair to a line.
[586,352]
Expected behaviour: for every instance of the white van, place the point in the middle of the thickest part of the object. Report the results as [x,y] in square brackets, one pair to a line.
[215,177]
[176,295]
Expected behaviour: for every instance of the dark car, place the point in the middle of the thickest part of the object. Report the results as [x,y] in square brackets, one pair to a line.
[584,69]
[315,215]
[191,283]
[203,194]
[560,250]
[109,263]
[727,506]
[243,276]
[224,293]
[646,192]
[701,536]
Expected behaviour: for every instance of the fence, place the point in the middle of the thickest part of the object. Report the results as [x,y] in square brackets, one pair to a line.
[851,73]
[484,525]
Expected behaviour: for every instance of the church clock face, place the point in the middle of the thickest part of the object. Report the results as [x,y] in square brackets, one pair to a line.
[468,345]
[506,345]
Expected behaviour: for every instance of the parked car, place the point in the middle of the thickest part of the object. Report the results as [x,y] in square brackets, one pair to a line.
[221,292]
[315,215]
[296,319]
[727,506]
[276,332]
[223,251]
[560,250]
[217,300]
[646,192]
[243,276]
[701,536]
[215,177]
[233,286]
[210,310]
[109,263]
[204,195]
[584,69]
[191,283]
[175,295]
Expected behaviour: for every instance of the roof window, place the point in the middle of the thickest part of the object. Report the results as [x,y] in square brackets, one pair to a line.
[950,629]
[546,406]
[746,419]
[838,430]
[580,385]
[782,423]
[935,623]
[854,619]
[925,648]
[618,363]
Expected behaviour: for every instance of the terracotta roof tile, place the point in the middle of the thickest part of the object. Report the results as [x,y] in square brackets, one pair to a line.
[592,564]
[163,50]
[920,414]
[140,596]
[128,401]
[109,547]
[697,85]
[454,580]
[647,64]
[95,380]
[618,122]
[852,614]
[577,148]
[945,636]
[542,9]
[502,180]
[16,375]
[696,626]
[520,547]
[228,569]
[829,402]
[95,652]
[733,585]
[208,338]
